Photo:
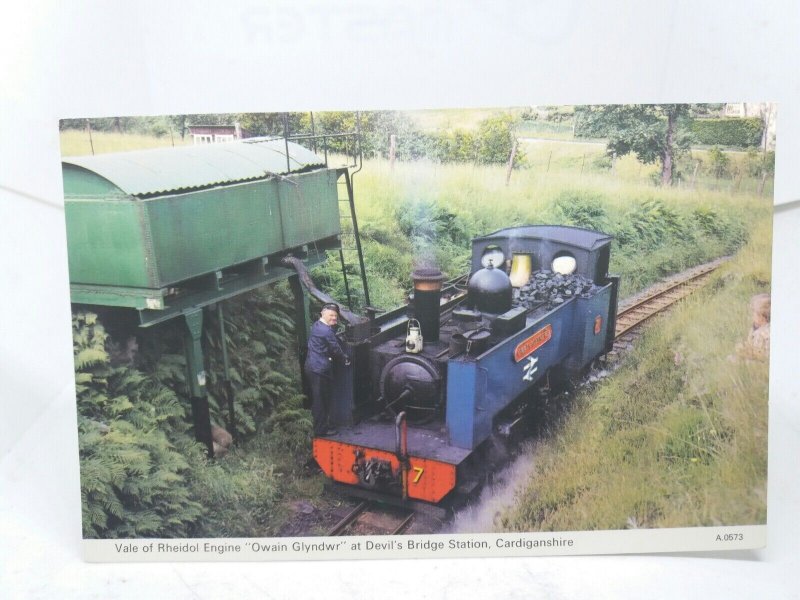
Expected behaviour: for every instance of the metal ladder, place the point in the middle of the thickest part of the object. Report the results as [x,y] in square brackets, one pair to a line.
[351,256]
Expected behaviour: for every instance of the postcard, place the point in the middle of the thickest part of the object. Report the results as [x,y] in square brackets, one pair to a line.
[530,330]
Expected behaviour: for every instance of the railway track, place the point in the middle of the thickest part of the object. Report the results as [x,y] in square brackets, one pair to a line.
[660,298]
[367,518]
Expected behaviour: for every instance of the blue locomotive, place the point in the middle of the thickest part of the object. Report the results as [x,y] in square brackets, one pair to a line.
[432,381]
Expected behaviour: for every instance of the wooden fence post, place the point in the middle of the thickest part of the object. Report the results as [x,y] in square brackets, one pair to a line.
[89,131]
[392,150]
[511,161]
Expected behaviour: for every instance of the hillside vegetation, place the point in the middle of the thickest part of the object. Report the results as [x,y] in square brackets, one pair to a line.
[76,142]
[678,436]
[142,473]
[427,213]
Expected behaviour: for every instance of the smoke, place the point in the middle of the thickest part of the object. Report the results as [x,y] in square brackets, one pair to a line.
[424,241]
[428,226]
[425,257]
[484,513]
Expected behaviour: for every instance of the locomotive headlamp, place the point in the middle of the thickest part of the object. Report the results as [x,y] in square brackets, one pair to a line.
[565,265]
[493,255]
[520,269]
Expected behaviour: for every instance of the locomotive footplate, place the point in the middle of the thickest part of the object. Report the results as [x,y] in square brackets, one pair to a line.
[365,456]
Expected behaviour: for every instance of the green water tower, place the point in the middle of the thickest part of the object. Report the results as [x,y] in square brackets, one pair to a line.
[170,231]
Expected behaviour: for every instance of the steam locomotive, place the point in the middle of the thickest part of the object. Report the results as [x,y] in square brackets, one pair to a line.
[432,382]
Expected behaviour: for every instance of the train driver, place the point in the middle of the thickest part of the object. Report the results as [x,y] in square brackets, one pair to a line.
[323,348]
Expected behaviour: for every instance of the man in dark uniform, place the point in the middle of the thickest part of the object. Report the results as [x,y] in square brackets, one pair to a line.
[323,348]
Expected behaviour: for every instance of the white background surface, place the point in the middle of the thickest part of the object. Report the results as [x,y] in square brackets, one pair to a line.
[93,58]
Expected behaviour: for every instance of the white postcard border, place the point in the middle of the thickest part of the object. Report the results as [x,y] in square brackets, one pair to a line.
[573,543]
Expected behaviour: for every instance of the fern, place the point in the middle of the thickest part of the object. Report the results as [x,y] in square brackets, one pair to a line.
[89,357]
[129,468]
[141,471]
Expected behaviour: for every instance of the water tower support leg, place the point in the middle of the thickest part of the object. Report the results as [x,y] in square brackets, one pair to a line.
[226,375]
[196,378]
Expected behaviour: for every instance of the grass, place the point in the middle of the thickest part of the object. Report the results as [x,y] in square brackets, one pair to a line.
[456,118]
[76,142]
[658,230]
[678,436]
[251,490]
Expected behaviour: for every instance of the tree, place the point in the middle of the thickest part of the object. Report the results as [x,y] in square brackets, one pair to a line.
[376,129]
[650,131]
[495,139]
[273,123]
[178,122]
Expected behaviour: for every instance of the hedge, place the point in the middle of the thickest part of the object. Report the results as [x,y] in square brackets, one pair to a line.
[742,133]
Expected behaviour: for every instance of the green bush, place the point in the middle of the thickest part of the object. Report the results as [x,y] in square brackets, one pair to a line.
[388,262]
[495,140]
[736,132]
[719,163]
[376,128]
[239,492]
[655,221]
[490,144]
[757,164]
[588,127]
[453,146]
[583,209]
[429,222]
[290,427]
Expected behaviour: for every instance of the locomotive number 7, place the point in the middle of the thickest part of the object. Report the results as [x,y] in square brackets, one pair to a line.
[530,368]
[418,471]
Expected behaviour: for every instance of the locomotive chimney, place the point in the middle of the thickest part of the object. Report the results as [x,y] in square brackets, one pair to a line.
[427,295]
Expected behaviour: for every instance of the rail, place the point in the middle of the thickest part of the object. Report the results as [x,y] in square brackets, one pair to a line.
[368,518]
[662,298]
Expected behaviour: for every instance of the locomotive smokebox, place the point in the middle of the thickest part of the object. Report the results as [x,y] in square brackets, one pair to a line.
[412,383]
[427,295]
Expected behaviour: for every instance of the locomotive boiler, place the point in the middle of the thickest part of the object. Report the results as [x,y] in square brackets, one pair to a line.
[431,382]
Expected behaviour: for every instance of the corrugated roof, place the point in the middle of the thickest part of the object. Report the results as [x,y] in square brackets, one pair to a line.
[162,170]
